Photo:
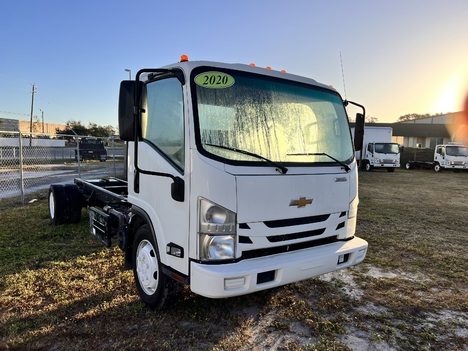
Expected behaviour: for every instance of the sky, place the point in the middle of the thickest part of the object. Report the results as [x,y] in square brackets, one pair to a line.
[395,57]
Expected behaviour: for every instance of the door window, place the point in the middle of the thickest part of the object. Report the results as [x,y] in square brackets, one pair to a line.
[163,122]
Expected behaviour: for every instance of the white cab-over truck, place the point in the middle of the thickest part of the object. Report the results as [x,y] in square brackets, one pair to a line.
[239,179]
[378,150]
[446,156]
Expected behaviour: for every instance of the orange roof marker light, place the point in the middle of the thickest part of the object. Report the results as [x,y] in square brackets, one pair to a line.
[283,71]
[184,58]
[252,64]
[268,68]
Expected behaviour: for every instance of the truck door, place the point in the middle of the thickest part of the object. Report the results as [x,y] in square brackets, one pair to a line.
[163,149]
[440,155]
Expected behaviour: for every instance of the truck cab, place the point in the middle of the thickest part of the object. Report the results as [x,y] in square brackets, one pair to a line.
[382,155]
[240,179]
[450,156]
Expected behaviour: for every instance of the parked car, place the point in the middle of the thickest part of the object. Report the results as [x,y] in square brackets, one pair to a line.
[91,149]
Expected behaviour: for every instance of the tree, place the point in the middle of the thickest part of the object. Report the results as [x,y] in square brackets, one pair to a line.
[100,131]
[413,116]
[93,129]
[368,119]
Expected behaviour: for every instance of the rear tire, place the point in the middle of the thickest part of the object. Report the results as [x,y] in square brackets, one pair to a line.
[57,204]
[150,281]
[65,203]
[74,204]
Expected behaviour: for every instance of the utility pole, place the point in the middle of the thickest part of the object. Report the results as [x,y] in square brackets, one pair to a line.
[129,73]
[42,112]
[32,111]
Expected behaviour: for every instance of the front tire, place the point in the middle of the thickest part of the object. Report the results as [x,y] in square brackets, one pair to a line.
[150,281]
[368,167]
[437,167]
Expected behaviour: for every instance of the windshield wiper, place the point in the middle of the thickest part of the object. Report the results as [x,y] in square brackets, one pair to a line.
[279,167]
[345,166]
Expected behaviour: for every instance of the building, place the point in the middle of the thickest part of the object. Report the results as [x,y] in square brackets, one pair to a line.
[13,125]
[430,131]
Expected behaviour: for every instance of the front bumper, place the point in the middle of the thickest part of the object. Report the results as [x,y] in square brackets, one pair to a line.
[387,165]
[248,276]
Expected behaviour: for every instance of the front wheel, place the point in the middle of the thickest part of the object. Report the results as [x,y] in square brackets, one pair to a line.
[368,167]
[437,167]
[149,278]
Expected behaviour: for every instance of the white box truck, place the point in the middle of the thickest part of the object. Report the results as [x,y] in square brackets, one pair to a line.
[452,156]
[378,149]
[239,179]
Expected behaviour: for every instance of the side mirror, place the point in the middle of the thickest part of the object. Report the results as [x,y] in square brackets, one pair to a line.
[127,108]
[359,132]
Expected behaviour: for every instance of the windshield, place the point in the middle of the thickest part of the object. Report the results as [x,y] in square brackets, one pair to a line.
[457,151]
[387,148]
[279,120]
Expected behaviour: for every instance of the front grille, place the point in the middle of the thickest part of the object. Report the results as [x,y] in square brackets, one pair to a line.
[258,239]
[287,248]
[296,221]
[301,235]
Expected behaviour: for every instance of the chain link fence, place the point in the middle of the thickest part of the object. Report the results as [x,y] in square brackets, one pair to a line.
[29,163]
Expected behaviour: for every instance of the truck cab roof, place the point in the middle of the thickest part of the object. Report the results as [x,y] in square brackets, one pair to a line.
[188,66]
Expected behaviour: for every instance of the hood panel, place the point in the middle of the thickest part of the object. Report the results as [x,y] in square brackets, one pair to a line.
[268,197]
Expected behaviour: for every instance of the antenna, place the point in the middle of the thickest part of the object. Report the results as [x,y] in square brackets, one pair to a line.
[342,75]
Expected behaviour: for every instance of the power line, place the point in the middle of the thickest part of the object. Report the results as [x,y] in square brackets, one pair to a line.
[15,113]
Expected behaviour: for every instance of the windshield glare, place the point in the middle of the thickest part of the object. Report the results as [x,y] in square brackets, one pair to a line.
[386,148]
[279,120]
[457,151]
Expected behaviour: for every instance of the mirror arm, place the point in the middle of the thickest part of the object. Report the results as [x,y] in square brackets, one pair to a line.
[346,102]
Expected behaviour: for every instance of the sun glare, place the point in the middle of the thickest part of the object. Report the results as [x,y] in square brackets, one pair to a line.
[452,94]
[447,99]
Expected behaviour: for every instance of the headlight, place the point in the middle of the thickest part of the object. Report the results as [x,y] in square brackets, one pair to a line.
[217,247]
[216,231]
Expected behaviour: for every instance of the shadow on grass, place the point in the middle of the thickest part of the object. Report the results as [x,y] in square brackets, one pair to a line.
[120,321]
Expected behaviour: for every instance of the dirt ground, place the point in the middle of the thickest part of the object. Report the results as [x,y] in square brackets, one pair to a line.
[60,290]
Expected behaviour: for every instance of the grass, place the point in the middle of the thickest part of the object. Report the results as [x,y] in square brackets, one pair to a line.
[61,290]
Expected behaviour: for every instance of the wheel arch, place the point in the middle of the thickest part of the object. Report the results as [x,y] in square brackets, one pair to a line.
[139,218]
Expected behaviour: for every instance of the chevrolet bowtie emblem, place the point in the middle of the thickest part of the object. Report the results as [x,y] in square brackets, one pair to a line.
[301,202]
